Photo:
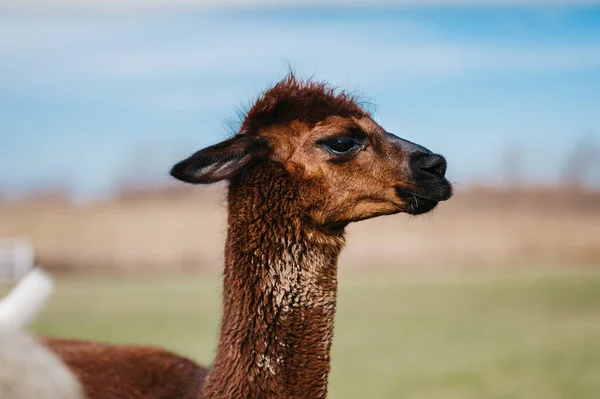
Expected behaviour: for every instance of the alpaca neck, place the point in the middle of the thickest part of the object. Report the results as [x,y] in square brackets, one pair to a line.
[279,295]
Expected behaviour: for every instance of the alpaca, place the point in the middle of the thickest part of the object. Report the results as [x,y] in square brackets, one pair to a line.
[30,370]
[306,162]
[27,368]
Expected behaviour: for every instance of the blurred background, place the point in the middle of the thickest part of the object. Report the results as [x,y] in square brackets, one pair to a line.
[495,294]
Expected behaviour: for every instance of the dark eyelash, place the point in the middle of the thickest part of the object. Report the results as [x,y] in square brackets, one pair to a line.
[341,145]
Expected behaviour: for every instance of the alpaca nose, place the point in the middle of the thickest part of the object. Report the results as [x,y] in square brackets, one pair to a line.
[429,165]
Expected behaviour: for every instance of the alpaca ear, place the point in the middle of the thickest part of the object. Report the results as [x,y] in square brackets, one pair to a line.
[221,161]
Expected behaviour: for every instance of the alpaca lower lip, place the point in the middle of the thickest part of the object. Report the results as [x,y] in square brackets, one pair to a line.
[419,202]
[416,196]
[416,205]
[434,193]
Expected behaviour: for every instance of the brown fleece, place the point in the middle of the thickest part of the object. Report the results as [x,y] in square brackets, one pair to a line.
[290,197]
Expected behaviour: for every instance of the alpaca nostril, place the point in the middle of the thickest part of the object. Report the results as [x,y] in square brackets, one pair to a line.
[433,164]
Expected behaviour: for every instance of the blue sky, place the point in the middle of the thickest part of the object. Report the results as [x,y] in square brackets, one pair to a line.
[93,95]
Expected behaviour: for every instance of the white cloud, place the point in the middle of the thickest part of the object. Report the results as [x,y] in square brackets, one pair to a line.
[428,59]
[249,52]
[24,34]
[67,51]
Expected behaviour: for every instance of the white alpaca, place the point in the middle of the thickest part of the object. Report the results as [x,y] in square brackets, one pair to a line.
[28,370]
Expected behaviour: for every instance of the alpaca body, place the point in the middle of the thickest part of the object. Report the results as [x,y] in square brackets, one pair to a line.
[129,372]
[306,162]
[279,292]
[29,370]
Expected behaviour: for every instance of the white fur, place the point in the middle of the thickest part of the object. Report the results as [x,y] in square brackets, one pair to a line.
[28,370]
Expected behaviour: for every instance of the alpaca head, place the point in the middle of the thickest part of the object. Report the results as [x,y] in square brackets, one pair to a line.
[347,167]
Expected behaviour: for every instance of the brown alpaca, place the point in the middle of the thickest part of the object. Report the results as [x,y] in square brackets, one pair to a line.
[306,162]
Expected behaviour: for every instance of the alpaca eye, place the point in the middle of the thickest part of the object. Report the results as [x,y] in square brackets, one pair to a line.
[340,145]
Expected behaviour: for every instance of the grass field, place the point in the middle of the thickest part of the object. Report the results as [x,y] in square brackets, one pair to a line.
[484,334]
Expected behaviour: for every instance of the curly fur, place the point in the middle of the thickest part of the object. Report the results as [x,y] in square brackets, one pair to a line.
[289,202]
[306,101]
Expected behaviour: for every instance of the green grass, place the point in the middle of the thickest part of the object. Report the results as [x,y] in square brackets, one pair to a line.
[466,335]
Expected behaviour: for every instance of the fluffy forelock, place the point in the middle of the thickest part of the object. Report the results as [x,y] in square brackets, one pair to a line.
[306,101]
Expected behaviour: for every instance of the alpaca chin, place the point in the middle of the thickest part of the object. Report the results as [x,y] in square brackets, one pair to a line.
[29,370]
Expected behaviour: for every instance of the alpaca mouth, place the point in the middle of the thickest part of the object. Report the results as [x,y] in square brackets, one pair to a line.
[423,200]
